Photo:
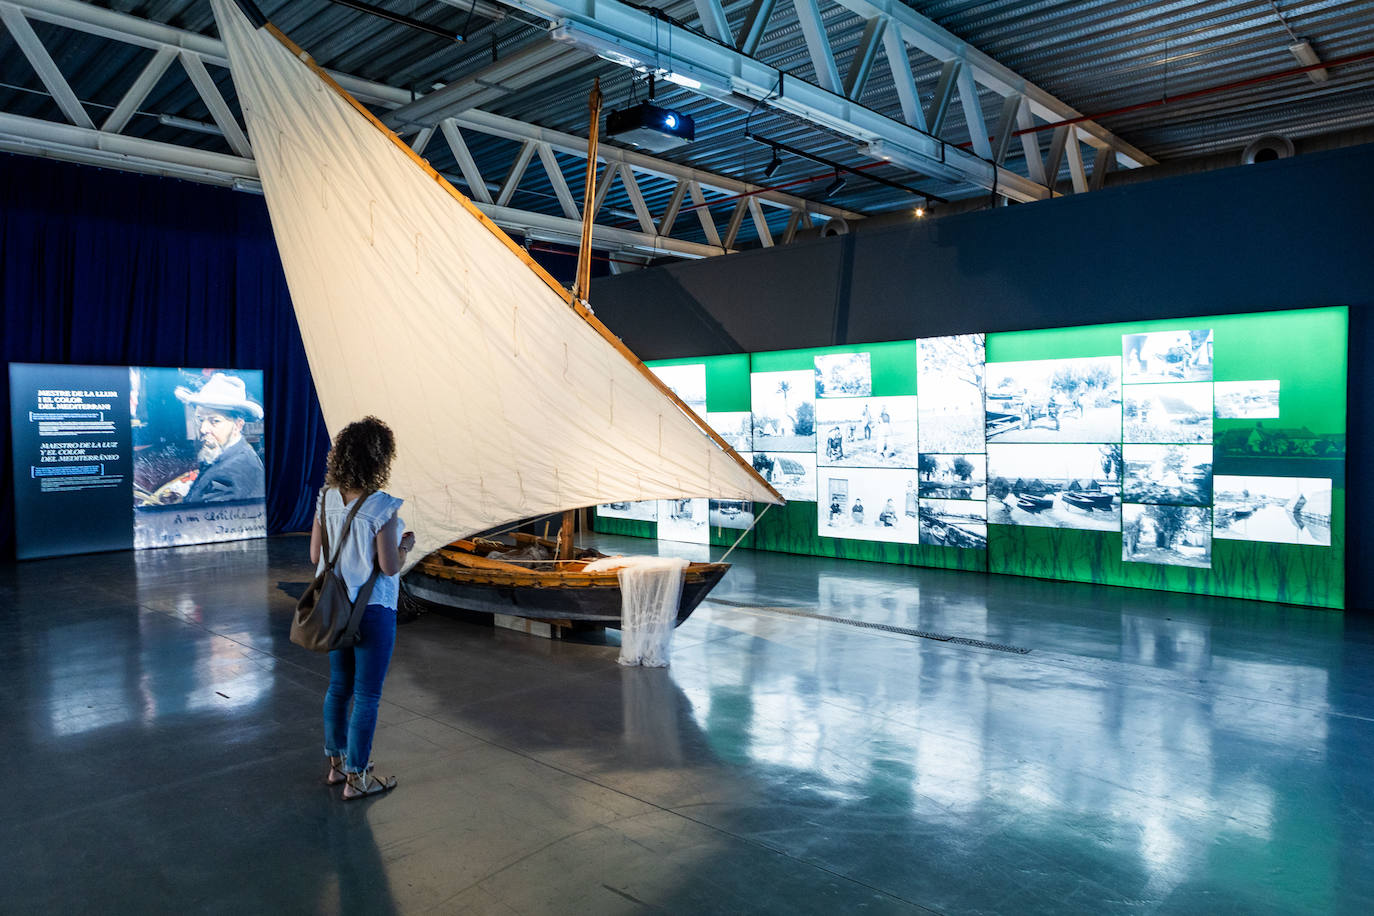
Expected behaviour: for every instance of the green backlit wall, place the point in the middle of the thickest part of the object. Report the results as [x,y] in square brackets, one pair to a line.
[1303,350]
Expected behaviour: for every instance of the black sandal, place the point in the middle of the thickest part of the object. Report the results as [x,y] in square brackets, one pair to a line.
[364,784]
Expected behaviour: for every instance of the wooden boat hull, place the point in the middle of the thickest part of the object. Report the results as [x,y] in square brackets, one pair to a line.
[456,578]
[598,604]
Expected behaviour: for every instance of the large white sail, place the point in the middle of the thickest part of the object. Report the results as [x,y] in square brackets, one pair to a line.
[506,402]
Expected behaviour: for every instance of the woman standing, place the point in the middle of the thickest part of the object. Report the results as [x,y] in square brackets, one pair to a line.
[358,467]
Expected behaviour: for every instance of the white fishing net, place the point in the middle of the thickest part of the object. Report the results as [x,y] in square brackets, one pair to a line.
[650,591]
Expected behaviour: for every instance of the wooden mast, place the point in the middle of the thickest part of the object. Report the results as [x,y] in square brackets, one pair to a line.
[582,286]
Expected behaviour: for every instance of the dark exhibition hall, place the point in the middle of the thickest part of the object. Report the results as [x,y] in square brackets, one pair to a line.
[687,456]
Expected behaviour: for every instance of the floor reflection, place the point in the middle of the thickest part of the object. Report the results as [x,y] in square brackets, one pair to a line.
[1152,752]
[1168,741]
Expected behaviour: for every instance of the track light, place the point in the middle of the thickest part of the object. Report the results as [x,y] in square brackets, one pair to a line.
[772,165]
[835,186]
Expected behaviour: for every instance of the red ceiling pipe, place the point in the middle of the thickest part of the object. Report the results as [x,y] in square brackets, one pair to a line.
[1195,94]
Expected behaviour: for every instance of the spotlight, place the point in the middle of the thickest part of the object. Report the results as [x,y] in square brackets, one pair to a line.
[774,164]
[920,212]
[835,186]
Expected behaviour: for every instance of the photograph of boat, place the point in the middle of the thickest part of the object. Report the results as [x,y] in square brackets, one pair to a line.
[1283,510]
[1055,486]
[954,523]
[431,296]
[1090,501]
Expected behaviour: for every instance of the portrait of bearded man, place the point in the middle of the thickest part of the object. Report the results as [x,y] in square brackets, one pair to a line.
[229,467]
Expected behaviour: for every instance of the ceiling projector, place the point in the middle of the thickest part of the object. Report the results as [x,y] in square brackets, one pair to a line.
[649,127]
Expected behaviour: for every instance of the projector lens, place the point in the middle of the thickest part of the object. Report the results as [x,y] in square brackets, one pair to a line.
[670,120]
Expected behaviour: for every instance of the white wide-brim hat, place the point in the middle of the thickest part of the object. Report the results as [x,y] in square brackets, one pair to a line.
[223,392]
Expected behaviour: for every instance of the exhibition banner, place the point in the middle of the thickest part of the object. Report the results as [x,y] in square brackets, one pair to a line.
[73,459]
[1203,455]
[112,457]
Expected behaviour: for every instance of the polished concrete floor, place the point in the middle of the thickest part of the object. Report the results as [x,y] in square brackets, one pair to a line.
[1150,753]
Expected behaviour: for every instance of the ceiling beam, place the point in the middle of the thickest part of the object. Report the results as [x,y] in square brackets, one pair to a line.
[631,37]
[109,147]
[935,41]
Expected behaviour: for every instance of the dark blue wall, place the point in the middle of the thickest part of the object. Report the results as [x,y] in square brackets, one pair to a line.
[109,268]
[105,267]
[1287,234]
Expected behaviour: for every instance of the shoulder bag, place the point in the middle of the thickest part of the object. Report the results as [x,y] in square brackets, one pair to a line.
[325,619]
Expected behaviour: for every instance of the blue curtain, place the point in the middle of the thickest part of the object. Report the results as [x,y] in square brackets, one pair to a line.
[106,268]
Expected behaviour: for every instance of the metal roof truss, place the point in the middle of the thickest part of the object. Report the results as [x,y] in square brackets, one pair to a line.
[721,66]
[79,139]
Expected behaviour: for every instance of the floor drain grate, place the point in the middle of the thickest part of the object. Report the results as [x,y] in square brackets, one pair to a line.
[864,624]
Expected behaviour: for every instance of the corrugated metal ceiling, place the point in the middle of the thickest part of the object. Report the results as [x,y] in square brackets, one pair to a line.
[1095,56]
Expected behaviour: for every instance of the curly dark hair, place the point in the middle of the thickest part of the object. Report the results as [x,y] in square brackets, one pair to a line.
[361,456]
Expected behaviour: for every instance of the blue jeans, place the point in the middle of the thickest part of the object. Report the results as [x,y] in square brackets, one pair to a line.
[356,674]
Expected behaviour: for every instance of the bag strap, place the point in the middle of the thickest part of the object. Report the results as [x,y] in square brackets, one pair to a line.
[348,526]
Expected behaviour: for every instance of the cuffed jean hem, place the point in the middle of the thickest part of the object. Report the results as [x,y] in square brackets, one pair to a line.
[355,688]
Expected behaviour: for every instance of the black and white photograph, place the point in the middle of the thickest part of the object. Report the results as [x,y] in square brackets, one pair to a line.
[953,476]
[1055,486]
[1054,400]
[1173,475]
[1257,400]
[954,523]
[844,375]
[1167,535]
[784,406]
[1283,510]
[687,381]
[642,511]
[732,513]
[1263,439]
[684,520]
[1168,356]
[949,382]
[866,432]
[793,474]
[735,427]
[1180,412]
[865,504]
